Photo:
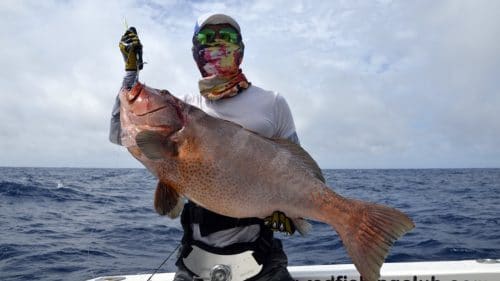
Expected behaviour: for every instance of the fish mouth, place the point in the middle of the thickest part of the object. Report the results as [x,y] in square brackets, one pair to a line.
[151,111]
[142,101]
[157,112]
[159,128]
[167,118]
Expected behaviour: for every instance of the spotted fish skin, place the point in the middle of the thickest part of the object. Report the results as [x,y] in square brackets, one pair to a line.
[234,172]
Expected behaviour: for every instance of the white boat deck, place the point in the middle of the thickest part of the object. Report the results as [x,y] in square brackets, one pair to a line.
[467,270]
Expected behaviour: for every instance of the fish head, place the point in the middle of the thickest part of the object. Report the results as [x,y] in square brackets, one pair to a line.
[147,109]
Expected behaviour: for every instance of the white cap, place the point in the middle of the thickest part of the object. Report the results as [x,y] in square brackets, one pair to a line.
[214,18]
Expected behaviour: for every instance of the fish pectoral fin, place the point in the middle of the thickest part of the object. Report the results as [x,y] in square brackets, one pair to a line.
[302,226]
[167,201]
[305,158]
[155,145]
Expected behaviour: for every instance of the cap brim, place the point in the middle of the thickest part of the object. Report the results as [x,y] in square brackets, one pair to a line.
[215,19]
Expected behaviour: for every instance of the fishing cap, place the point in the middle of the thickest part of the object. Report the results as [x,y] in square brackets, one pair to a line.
[215,18]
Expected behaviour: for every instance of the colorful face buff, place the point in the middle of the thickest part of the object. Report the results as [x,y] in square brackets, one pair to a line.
[221,58]
[219,63]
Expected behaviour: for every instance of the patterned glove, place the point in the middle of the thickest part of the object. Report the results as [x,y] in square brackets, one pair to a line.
[278,221]
[131,49]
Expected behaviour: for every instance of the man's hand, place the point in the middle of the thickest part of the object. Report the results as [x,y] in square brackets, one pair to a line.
[131,49]
[279,222]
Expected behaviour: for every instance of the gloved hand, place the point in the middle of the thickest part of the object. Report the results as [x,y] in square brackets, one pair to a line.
[278,221]
[131,49]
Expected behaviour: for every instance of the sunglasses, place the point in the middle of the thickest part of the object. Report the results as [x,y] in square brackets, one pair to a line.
[207,35]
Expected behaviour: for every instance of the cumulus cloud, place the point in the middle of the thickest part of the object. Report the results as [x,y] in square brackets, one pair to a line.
[372,84]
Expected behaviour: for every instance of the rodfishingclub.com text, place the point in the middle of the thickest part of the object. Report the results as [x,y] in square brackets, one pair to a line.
[414,278]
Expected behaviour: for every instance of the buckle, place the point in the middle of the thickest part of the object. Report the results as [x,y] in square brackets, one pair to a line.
[207,265]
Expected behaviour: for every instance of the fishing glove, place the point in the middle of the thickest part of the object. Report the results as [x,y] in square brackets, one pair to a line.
[278,221]
[131,49]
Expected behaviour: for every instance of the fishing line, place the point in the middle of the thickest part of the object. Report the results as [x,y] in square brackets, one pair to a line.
[170,255]
[125,22]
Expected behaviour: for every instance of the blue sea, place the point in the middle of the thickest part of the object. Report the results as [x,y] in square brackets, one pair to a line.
[77,224]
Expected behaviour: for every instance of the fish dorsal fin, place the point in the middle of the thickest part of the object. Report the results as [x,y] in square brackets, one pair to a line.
[306,159]
[155,145]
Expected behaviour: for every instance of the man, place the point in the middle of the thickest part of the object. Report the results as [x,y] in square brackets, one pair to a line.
[210,238]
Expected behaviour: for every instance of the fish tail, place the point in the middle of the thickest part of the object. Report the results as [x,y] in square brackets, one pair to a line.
[368,231]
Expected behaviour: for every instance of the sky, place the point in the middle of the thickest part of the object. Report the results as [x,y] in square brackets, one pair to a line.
[371,84]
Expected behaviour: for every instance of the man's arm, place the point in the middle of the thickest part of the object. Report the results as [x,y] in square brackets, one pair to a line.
[284,129]
[129,81]
[131,49]
[285,126]
[115,129]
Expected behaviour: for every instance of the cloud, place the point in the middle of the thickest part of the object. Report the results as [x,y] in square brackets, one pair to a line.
[371,84]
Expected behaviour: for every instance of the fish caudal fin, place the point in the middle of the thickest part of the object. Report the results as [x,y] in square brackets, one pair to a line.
[368,232]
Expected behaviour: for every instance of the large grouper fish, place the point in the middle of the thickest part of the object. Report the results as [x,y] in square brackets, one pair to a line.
[232,171]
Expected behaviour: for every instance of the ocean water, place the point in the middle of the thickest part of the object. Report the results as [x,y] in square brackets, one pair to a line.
[77,224]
